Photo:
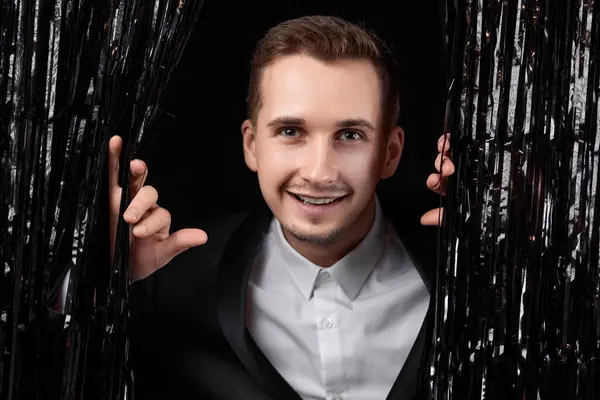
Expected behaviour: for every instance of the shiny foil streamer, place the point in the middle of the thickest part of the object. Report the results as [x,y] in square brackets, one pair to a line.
[72,74]
[517,307]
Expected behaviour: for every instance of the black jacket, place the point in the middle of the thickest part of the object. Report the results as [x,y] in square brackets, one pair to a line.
[188,333]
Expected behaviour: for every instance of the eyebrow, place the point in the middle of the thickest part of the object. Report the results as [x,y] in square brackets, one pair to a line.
[345,123]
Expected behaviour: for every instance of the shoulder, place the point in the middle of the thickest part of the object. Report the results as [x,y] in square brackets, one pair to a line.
[195,271]
[190,277]
[196,266]
[418,241]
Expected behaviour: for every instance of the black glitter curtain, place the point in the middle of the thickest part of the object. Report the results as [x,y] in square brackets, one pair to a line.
[517,313]
[72,73]
[517,294]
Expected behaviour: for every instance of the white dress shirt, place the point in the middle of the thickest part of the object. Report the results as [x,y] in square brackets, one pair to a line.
[342,332]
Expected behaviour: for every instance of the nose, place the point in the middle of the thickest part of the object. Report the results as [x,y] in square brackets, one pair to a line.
[319,162]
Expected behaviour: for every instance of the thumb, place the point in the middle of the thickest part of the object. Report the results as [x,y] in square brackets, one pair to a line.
[433,217]
[182,240]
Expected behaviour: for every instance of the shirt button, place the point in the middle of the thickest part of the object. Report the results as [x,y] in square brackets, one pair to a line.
[327,323]
[323,276]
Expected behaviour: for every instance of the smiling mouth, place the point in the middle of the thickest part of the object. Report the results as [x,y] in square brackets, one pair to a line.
[317,201]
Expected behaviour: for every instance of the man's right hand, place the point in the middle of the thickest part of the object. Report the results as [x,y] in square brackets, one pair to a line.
[151,244]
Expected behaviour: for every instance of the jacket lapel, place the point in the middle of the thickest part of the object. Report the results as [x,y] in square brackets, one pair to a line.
[232,283]
[408,380]
[420,243]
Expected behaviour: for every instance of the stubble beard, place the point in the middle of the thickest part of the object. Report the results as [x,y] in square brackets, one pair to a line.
[320,240]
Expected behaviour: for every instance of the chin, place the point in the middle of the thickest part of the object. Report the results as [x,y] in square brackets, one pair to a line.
[314,236]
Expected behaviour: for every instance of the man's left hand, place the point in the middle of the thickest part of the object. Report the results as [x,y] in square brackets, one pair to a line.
[437,182]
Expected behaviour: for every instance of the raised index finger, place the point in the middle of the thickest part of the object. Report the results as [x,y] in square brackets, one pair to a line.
[115,146]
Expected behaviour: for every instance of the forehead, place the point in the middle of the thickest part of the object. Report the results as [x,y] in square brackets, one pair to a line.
[303,86]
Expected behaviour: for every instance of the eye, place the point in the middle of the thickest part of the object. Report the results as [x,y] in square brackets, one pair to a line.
[289,132]
[351,135]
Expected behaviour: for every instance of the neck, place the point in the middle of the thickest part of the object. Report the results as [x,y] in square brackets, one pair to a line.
[326,255]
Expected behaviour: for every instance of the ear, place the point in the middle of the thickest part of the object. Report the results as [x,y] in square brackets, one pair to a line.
[393,152]
[248,134]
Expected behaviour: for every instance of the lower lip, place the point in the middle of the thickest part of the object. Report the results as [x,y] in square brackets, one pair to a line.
[315,209]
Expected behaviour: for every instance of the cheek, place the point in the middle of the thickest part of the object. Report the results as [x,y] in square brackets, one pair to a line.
[271,158]
[273,164]
[360,165]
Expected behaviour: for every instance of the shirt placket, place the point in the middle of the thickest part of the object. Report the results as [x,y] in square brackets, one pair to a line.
[328,336]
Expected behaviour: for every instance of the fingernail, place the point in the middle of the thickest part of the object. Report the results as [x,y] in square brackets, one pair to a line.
[140,229]
[131,214]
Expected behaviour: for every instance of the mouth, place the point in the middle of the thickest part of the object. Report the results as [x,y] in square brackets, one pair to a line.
[317,201]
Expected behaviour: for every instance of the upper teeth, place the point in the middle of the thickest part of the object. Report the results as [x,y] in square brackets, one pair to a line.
[313,200]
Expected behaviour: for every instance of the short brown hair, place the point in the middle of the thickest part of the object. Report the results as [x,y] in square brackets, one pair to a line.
[326,38]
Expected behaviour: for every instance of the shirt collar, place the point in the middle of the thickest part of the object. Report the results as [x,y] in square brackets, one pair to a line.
[350,273]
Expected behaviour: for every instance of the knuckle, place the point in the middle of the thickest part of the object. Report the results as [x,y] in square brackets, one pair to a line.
[152,191]
[149,192]
[164,213]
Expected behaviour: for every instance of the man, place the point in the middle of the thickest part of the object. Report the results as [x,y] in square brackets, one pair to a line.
[317,294]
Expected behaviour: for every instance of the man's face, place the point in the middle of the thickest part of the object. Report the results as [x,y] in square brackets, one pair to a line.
[318,145]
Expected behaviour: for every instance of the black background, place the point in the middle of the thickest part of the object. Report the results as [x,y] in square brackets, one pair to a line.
[196,162]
